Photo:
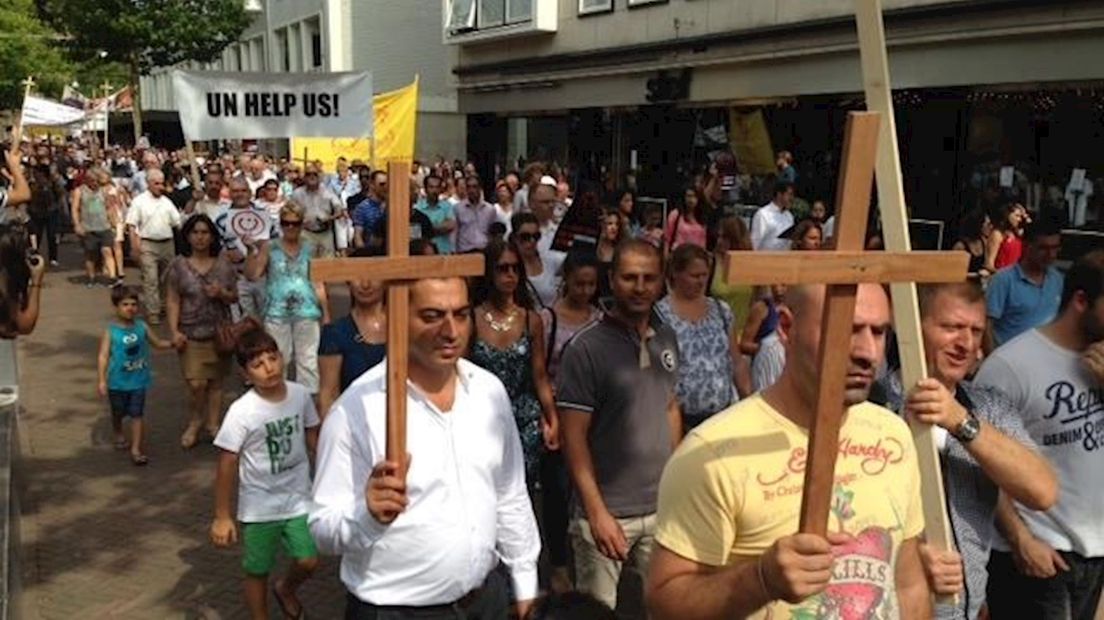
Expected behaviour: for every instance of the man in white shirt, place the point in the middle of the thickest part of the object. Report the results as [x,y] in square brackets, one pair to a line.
[423,538]
[773,219]
[322,208]
[151,220]
[1050,565]
[542,202]
[208,201]
[258,174]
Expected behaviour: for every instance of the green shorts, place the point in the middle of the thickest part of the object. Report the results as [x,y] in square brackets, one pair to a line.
[261,541]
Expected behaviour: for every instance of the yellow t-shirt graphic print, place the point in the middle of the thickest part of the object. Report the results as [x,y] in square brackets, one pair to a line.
[734,487]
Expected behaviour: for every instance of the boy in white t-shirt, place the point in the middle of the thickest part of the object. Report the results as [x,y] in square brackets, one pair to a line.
[264,441]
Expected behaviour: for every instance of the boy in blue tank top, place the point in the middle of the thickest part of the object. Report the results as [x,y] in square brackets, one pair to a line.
[124,369]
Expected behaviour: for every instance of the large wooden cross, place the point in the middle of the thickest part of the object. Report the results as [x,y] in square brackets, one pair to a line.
[398,269]
[842,270]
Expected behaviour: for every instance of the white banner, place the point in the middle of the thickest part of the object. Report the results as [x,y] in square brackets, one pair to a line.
[217,105]
[39,111]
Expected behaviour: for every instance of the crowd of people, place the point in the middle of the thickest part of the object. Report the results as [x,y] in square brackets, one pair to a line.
[579,410]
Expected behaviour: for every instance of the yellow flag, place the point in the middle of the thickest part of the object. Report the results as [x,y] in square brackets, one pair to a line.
[751,141]
[395,115]
[327,150]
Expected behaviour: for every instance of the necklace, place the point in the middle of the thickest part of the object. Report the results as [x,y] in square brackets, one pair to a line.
[500,326]
[374,327]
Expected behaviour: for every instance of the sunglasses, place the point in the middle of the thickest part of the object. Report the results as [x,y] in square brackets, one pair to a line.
[529,237]
[505,268]
[291,223]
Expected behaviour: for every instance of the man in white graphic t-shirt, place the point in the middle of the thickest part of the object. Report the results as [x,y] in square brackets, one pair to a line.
[1051,564]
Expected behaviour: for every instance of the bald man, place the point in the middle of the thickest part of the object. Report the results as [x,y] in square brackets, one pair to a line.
[730,497]
[151,220]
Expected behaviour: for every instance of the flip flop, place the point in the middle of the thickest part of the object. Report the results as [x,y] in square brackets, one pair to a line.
[139,460]
[283,606]
[122,445]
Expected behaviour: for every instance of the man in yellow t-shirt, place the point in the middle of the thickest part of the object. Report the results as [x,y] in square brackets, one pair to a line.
[730,497]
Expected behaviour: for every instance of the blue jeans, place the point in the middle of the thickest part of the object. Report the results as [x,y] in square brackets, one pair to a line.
[1072,594]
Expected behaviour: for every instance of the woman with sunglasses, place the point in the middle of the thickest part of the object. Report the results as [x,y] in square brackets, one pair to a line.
[543,272]
[509,342]
[354,344]
[200,287]
[294,304]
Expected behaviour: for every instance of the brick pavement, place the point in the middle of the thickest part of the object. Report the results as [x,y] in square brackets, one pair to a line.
[105,539]
[102,538]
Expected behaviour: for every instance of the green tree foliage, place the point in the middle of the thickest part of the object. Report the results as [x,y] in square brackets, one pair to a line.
[143,34]
[28,47]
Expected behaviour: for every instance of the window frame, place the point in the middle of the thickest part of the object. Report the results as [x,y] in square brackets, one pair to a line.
[585,11]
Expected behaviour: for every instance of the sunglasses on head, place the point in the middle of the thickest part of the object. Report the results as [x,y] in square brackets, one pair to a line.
[505,268]
[291,223]
[529,237]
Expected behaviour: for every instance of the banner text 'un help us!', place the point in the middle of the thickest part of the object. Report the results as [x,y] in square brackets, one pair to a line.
[224,105]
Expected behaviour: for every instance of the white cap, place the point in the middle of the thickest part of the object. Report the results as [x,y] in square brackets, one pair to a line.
[548,180]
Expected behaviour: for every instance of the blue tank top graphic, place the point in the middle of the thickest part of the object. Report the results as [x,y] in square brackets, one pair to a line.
[128,367]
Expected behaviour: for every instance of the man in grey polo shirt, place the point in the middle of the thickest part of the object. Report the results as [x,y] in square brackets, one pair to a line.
[616,397]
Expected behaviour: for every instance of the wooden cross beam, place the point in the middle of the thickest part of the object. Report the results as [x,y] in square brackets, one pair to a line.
[399,269]
[906,307]
[17,130]
[842,271]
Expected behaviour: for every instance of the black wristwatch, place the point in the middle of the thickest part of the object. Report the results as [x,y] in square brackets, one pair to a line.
[968,430]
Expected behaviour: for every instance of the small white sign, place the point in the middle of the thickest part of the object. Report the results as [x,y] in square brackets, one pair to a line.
[249,223]
[1007,176]
[1077,180]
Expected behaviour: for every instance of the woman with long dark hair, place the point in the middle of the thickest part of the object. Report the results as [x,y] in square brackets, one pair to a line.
[611,232]
[509,342]
[20,283]
[1005,243]
[687,224]
[542,270]
[199,290]
[974,239]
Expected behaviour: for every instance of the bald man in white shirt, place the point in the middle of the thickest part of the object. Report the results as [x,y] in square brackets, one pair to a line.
[426,543]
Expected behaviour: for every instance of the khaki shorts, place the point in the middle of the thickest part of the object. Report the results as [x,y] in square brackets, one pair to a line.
[201,362]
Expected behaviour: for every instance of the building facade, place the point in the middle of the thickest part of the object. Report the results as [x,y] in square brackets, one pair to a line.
[394,40]
[645,86]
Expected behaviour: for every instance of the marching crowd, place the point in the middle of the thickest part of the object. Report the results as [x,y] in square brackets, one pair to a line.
[579,411]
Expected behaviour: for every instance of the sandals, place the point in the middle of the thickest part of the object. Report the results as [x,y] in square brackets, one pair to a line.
[189,438]
[139,460]
[121,445]
[283,606]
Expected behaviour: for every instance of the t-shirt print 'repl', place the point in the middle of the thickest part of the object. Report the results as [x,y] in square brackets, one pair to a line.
[273,467]
[1062,406]
[734,487]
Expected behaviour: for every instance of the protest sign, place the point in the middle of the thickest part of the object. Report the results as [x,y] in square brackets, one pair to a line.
[221,105]
[581,223]
[39,111]
[249,223]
